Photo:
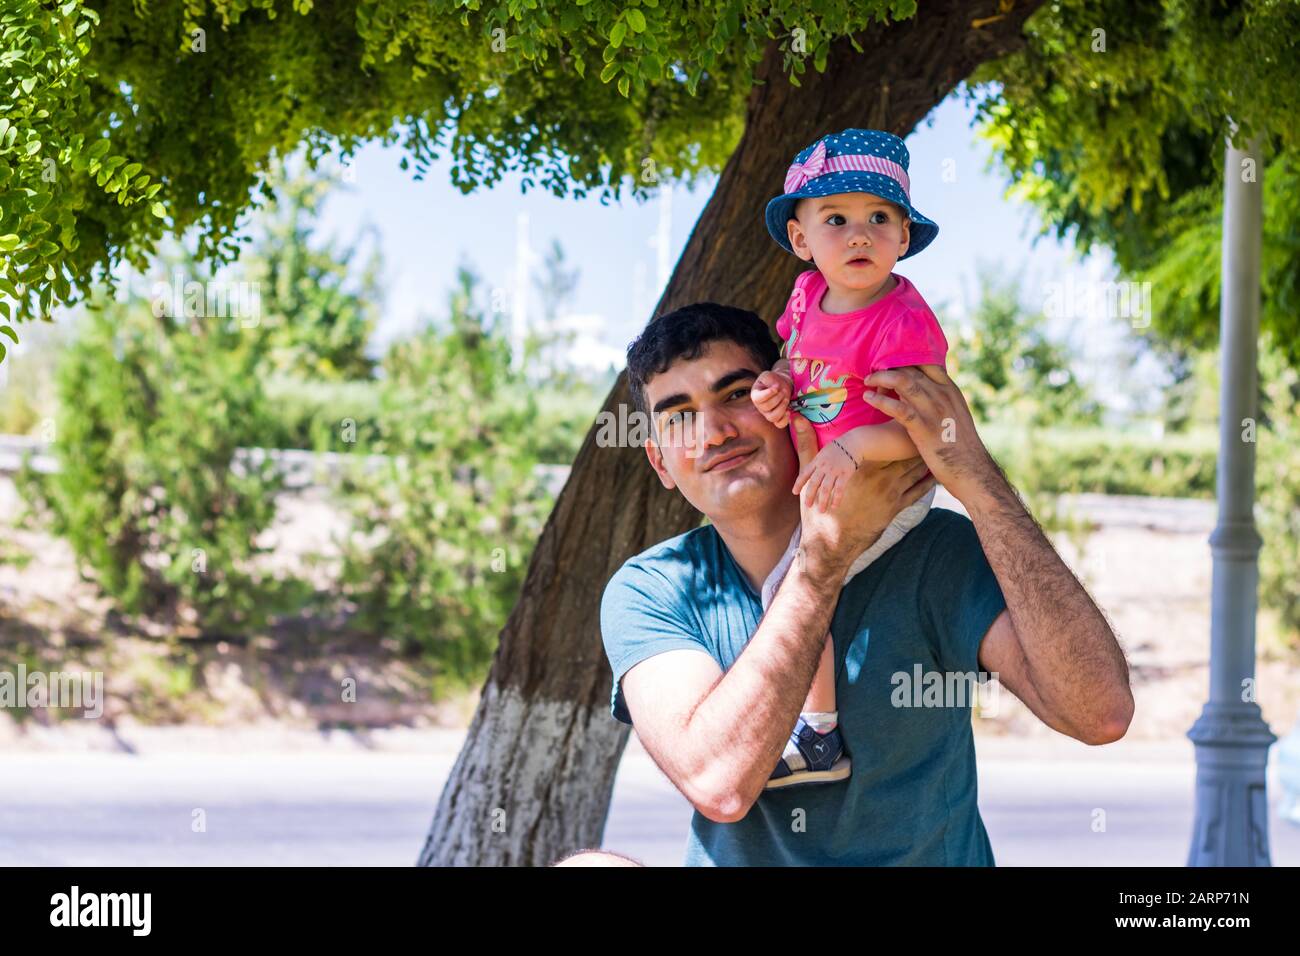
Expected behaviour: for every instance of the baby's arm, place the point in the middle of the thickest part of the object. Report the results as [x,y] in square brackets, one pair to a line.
[771,393]
[887,441]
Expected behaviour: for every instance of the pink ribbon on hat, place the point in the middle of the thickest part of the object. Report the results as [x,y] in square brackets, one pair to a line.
[817,164]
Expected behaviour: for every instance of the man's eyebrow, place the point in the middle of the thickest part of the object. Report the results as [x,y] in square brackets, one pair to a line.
[681,398]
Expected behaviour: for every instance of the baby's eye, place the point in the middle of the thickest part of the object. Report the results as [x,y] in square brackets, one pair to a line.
[835,216]
[884,216]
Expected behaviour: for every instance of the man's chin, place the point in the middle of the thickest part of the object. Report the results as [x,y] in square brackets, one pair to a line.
[748,491]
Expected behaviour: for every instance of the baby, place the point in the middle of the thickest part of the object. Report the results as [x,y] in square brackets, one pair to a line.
[846,209]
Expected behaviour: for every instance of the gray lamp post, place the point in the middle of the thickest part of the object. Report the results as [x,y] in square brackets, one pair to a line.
[1231,737]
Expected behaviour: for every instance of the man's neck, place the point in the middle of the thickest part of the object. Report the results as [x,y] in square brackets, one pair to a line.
[757,541]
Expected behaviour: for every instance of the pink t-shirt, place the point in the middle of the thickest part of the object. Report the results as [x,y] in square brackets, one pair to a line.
[830,355]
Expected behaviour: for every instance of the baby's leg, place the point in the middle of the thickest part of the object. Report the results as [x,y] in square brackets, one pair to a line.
[821,696]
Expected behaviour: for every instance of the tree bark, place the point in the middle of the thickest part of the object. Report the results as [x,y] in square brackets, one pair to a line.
[533,780]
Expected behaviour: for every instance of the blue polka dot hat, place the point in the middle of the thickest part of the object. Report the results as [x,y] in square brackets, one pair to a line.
[854,161]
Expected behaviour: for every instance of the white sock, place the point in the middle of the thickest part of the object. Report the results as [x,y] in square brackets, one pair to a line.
[821,721]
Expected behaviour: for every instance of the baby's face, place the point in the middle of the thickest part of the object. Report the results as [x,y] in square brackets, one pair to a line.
[854,239]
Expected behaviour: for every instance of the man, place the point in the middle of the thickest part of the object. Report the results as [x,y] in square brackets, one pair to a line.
[713,690]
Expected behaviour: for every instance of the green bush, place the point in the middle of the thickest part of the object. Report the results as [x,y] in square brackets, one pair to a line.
[319,416]
[442,533]
[150,412]
[1050,461]
[1277,479]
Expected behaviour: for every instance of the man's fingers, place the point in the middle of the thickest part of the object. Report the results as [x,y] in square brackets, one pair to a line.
[915,469]
[936,373]
[915,493]
[802,479]
[805,441]
[890,406]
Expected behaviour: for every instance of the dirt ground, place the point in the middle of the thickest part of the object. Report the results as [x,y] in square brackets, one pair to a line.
[1146,563]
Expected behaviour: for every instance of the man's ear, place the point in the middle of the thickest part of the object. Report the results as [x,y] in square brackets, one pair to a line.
[657,463]
[798,241]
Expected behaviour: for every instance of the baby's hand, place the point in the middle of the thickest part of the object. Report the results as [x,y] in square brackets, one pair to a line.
[771,395]
[826,476]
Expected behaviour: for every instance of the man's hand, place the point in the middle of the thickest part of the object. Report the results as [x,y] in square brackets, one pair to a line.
[869,500]
[935,414]
[771,394]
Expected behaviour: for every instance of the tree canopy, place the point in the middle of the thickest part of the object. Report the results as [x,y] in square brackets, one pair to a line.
[1111,121]
[124,121]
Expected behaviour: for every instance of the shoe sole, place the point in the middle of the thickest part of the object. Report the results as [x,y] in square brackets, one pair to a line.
[839,771]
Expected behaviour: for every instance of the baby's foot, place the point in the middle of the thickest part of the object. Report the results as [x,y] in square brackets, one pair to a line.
[811,757]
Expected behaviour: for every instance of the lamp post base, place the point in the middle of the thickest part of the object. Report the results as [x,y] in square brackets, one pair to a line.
[1231,827]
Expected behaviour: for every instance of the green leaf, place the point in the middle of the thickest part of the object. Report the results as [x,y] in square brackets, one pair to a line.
[617,34]
[636,20]
[624,82]
[97,150]
[33,147]
[9,242]
[610,71]
[4,127]
[29,84]
[159,210]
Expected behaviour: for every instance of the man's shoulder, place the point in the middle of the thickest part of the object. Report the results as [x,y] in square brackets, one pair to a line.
[943,527]
[672,558]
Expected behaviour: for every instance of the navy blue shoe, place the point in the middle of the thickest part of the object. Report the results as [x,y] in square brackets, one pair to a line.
[824,759]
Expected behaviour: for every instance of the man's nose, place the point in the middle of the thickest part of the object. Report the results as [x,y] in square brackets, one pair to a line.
[713,426]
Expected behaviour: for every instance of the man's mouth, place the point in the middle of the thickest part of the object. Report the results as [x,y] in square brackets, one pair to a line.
[730,460]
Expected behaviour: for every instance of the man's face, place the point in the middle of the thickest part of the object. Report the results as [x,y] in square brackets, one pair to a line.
[710,442]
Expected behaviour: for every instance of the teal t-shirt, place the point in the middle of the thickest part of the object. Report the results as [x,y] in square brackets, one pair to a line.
[911,798]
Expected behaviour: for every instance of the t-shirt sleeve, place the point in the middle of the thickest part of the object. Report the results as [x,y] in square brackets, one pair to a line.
[960,596]
[914,338]
[798,301]
[641,615]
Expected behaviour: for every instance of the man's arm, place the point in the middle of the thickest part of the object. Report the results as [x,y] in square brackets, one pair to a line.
[1054,650]
[719,736]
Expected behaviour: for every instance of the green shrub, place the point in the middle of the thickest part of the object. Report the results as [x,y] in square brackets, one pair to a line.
[1277,479]
[443,531]
[150,412]
[1105,462]
[319,416]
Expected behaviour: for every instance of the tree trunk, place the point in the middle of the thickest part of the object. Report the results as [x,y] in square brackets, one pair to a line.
[534,779]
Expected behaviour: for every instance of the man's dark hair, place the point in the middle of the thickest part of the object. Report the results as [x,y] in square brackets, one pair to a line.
[683,334]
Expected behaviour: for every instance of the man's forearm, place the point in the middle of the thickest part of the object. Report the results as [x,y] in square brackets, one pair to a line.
[745,721]
[1073,659]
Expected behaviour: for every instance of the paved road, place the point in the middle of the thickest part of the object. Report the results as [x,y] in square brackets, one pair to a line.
[357,808]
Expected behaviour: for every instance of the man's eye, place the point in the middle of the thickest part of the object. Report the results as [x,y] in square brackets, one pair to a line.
[742,392]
